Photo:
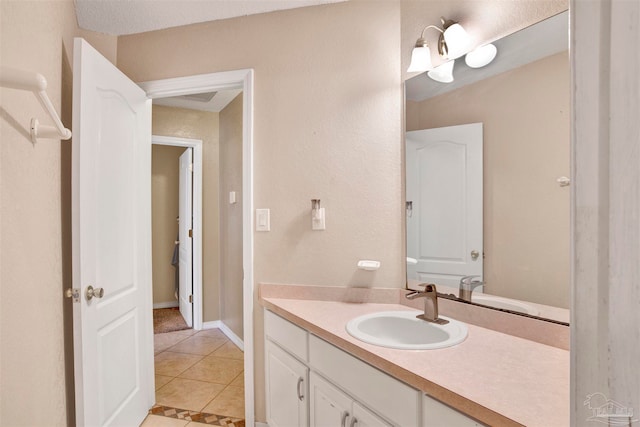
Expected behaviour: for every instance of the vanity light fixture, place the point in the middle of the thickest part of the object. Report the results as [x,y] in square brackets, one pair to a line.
[453,43]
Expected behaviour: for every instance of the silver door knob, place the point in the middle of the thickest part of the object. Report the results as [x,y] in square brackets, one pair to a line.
[475,255]
[93,292]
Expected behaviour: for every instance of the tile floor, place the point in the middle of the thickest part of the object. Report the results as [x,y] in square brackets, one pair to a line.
[197,372]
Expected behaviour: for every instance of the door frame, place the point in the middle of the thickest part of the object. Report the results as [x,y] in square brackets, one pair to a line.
[237,79]
[196,206]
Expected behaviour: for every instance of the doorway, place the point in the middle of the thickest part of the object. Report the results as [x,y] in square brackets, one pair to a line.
[238,80]
[177,231]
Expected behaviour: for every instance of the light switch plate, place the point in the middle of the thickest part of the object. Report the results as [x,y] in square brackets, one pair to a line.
[232,197]
[263,220]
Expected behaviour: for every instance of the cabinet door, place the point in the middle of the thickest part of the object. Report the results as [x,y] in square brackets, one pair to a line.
[329,406]
[286,389]
[365,418]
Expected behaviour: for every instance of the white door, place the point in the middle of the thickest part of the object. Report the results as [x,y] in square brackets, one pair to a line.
[286,389]
[444,204]
[185,227]
[113,345]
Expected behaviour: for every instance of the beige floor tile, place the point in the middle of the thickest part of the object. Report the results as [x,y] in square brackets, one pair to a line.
[162,380]
[158,421]
[239,381]
[213,333]
[187,394]
[171,364]
[161,342]
[230,403]
[230,351]
[214,369]
[198,345]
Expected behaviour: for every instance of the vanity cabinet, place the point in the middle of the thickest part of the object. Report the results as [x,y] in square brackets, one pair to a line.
[331,407]
[312,383]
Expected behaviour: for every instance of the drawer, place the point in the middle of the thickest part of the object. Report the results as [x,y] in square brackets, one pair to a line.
[289,336]
[389,397]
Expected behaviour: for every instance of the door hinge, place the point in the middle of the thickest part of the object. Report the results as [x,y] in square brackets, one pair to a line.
[72,293]
[190,167]
[191,233]
[190,299]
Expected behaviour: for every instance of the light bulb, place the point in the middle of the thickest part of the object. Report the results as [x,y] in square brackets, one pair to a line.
[442,73]
[457,41]
[420,58]
[481,56]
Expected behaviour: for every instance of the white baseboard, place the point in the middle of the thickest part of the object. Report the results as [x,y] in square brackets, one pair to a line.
[225,330]
[169,304]
[214,324]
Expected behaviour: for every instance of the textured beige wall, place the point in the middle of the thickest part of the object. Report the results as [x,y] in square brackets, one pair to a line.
[231,217]
[328,125]
[36,352]
[165,176]
[526,148]
[179,122]
[328,112]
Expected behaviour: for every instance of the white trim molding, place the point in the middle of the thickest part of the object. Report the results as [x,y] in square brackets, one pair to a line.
[219,324]
[239,79]
[605,320]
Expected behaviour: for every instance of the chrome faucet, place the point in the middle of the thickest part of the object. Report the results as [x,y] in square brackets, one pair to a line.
[467,285]
[430,296]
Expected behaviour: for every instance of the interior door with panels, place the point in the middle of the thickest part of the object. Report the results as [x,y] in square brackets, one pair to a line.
[111,172]
[444,204]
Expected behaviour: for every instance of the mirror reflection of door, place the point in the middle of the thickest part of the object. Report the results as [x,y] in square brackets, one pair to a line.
[444,204]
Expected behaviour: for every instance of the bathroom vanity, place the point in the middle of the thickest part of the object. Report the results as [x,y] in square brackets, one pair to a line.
[317,374]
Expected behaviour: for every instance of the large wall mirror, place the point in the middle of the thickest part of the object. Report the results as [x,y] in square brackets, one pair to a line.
[487,167]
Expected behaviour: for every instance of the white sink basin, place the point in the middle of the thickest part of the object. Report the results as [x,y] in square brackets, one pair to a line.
[402,330]
[505,303]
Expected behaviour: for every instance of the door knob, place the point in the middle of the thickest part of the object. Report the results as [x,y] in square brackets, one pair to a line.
[475,255]
[93,292]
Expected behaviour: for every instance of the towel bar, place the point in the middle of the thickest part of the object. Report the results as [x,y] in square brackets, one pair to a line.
[36,83]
